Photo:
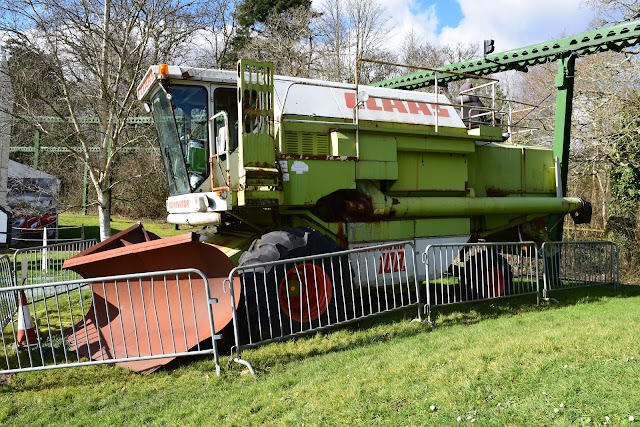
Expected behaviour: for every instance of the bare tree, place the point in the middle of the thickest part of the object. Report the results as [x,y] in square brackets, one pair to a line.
[354,29]
[88,58]
[212,45]
[335,40]
[415,51]
[614,11]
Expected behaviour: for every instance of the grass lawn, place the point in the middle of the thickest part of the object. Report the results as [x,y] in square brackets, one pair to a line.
[495,363]
[92,229]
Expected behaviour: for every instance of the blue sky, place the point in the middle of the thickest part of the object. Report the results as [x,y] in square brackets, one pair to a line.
[448,11]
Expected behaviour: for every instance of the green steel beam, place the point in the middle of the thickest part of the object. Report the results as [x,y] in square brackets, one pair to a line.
[562,133]
[36,149]
[86,120]
[613,38]
[29,149]
[564,105]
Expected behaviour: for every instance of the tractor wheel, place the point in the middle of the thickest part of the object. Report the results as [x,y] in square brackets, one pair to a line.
[296,297]
[486,274]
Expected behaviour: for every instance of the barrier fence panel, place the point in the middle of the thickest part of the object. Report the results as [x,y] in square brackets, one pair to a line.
[7,302]
[34,236]
[139,320]
[297,296]
[43,264]
[580,263]
[478,271]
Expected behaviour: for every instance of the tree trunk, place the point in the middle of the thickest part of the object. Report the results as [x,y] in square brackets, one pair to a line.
[104,213]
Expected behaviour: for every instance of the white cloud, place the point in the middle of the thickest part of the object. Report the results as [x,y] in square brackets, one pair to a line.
[511,23]
[516,23]
[406,16]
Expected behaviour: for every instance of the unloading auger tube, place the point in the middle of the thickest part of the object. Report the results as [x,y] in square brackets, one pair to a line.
[423,207]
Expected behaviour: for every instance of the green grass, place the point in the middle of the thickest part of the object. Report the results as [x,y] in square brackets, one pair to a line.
[54,315]
[92,229]
[499,363]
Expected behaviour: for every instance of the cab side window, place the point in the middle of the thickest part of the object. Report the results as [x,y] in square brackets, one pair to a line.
[225,99]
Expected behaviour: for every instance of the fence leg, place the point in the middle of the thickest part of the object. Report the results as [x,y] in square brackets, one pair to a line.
[235,350]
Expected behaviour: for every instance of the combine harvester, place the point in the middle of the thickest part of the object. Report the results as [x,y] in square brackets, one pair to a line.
[278,167]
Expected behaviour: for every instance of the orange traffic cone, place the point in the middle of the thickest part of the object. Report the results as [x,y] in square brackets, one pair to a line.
[26,332]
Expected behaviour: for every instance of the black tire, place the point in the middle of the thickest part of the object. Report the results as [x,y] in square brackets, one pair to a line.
[486,274]
[293,298]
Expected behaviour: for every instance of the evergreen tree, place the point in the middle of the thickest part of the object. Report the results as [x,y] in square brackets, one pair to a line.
[251,14]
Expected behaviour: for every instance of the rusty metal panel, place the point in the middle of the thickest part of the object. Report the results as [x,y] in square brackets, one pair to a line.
[153,255]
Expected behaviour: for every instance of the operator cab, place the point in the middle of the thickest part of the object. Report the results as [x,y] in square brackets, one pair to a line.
[186,115]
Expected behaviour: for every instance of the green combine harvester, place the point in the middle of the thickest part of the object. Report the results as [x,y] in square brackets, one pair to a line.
[276,167]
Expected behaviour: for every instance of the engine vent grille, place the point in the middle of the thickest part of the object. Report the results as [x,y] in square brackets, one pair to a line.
[306,143]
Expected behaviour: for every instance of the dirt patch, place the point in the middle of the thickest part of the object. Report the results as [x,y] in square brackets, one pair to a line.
[6,379]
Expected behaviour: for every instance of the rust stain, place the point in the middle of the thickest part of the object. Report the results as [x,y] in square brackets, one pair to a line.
[359,208]
[314,157]
[341,237]
[496,192]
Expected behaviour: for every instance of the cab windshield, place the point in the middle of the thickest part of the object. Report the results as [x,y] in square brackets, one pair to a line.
[183,133]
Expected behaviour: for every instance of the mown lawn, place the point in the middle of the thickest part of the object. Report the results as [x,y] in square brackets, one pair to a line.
[92,229]
[495,363]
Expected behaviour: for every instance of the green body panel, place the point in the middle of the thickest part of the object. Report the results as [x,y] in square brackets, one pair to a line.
[430,172]
[343,144]
[453,182]
[378,146]
[232,244]
[434,227]
[378,155]
[377,170]
[500,170]
[434,144]
[380,231]
[308,180]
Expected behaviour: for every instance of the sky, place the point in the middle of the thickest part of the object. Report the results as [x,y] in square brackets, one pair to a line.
[511,23]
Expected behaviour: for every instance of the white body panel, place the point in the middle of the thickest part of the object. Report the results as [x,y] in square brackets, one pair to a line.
[331,100]
[394,265]
[334,100]
[197,202]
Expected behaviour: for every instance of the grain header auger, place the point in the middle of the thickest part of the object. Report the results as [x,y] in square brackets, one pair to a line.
[309,167]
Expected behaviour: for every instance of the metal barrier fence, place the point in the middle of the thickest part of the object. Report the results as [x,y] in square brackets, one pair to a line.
[301,295]
[43,264]
[479,271]
[138,319]
[7,302]
[29,236]
[582,263]
[132,319]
